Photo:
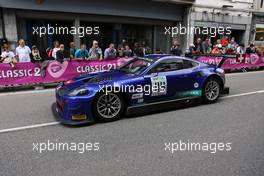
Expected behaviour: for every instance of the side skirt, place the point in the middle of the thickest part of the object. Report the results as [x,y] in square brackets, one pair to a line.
[162,105]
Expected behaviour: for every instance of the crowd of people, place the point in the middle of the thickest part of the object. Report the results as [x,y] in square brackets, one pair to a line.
[221,46]
[24,54]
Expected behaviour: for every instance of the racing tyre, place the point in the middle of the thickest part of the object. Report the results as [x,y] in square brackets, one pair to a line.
[108,107]
[211,90]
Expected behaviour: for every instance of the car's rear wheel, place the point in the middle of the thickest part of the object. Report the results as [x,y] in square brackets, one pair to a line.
[211,90]
[108,107]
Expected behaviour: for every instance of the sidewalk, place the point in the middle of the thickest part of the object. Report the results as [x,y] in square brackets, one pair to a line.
[28,87]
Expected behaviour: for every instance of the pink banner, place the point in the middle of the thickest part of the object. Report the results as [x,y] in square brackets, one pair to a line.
[240,62]
[29,73]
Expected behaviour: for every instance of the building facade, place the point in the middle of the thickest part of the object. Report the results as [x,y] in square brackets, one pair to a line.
[257,29]
[135,21]
[236,14]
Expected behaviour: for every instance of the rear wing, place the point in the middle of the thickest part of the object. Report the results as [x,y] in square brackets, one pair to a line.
[225,57]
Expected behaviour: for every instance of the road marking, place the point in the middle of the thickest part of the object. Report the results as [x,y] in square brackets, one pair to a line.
[27,92]
[243,73]
[243,94]
[56,123]
[29,127]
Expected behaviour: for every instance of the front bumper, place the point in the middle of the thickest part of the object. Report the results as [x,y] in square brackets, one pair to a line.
[65,121]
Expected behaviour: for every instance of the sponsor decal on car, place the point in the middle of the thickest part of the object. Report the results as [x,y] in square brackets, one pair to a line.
[141,100]
[159,85]
[191,93]
[137,96]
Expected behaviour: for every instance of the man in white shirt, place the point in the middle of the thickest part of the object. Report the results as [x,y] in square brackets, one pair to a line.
[7,56]
[23,52]
[55,49]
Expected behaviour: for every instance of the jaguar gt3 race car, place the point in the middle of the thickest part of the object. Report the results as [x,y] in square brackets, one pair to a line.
[141,84]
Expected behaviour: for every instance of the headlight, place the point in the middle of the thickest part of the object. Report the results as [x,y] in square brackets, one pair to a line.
[220,70]
[79,92]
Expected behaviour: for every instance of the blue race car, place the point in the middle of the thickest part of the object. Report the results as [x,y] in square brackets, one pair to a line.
[142,84]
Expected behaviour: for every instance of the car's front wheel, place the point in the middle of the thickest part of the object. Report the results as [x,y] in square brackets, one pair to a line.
[211,90]
[108,107]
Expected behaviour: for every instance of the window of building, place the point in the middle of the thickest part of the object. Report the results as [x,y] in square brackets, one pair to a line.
[115,33]
[259,34]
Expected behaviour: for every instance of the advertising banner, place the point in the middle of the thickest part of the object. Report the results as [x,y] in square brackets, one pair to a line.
[247,61]
[30,73]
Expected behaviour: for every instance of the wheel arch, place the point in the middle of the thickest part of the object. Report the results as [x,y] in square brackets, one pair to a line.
[215,76]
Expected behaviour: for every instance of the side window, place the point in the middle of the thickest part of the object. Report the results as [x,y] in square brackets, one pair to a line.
[189,64]
[168,65]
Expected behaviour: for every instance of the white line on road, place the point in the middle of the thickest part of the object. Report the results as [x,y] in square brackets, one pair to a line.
[244,73]
[29,127]
[243,94]
[56,123]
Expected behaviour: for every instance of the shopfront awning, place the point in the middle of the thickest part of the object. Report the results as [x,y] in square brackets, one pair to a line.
[126,8]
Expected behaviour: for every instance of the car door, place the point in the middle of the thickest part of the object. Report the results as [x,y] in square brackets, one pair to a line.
[169,79]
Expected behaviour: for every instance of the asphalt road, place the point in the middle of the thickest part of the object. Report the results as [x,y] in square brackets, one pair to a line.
[136,146]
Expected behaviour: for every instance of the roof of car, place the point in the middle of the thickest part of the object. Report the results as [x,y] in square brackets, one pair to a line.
[164,57]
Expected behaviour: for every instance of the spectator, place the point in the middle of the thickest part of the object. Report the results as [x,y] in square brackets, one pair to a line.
[3,41]
[158,51]
[175,49]
[224,41]
[240,49]
[217,49]
[127,52]
[23,52]
[231,47]
[190,50]
[121,47]
[224,50]
[45,60]
[82,52]
[198,46]
[56,48]
[110,52]
[60,54]
[40,59]
[218,41]
[35,55]
[146,49]
[95,51]
[136,49]
[49,53]
[8,56]
[251,49]
[206,49]
[72,50]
